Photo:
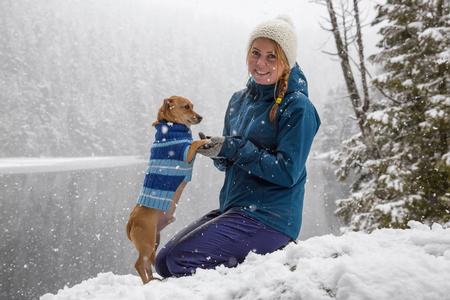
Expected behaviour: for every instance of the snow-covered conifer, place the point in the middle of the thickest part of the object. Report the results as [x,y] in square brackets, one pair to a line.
[411,123]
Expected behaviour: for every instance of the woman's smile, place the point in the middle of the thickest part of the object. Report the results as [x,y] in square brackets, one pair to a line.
[261,72]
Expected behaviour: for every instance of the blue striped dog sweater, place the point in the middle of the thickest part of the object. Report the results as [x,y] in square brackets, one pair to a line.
[167,167]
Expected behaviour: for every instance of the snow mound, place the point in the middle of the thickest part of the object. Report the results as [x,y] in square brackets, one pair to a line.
[386,264]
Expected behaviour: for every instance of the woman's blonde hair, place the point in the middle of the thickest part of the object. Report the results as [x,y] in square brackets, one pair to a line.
[282,80]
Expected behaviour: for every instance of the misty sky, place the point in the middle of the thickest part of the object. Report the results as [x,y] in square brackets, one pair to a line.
[322,70]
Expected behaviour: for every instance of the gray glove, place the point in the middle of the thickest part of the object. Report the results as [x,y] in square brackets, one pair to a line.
[213,148]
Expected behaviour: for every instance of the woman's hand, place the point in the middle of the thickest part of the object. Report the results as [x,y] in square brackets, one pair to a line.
[213,148]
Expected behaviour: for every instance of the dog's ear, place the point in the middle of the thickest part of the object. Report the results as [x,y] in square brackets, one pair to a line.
[162,110]
[167,103]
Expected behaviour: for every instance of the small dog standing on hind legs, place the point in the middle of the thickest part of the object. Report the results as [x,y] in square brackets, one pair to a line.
[169,170]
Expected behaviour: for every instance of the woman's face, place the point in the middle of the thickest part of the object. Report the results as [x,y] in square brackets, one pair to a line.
[262,62]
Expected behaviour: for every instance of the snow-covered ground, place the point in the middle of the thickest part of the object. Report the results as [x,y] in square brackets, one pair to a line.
[386,264]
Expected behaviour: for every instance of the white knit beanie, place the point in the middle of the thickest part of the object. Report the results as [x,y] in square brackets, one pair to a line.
[281,30]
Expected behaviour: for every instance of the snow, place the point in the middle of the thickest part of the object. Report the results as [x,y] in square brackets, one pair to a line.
[443,57]
[433,33]
[435,113]
[398,59]
[379,116]
[417,25]
[387,264]
[407,83]
[19,165]
[384,77]
[391,207]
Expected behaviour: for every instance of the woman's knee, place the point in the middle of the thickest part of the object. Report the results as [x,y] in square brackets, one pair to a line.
[177,261]
[180,261]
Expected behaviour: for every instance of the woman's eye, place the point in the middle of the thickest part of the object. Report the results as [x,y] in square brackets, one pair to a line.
[272,57]
[255,53]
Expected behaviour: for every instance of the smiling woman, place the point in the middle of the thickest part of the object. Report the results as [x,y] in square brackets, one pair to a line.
[263,151]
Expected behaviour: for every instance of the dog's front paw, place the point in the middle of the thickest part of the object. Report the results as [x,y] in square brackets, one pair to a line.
[194,147]
[212,148]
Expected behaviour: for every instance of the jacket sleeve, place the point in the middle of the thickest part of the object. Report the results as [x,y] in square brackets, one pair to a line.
[222,163]
[286,166]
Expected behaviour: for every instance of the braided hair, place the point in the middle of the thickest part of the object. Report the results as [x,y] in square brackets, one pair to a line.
[282,82]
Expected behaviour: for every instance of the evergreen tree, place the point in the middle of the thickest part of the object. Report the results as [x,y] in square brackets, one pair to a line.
[411,125]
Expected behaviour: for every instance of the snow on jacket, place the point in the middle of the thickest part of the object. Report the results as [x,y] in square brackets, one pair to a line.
[265,166]
[167,167]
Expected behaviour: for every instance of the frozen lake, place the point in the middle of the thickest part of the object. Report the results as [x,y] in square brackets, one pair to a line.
[25,165]
[63,219]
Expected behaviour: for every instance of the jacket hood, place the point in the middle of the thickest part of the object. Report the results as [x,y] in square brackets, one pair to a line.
[297,83]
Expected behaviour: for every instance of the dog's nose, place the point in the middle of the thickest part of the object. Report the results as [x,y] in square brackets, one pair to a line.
[199,118]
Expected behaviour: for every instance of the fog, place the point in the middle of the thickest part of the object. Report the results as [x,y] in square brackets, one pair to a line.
[85,79]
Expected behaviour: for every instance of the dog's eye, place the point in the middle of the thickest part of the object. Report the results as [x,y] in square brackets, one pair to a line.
[187,107]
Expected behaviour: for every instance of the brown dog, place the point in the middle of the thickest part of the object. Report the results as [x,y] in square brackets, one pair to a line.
[145,223]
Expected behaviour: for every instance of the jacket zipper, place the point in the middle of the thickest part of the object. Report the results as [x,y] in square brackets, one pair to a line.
[230,174]
[249,126]
[243,118]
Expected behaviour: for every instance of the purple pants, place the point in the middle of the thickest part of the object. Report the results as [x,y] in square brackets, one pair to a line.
[217,239]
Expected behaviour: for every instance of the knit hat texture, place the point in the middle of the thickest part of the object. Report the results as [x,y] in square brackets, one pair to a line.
[281,30]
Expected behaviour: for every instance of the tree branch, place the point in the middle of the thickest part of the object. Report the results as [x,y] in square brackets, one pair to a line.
[360,47]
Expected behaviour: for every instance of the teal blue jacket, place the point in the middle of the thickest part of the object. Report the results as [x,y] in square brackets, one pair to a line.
[265,165]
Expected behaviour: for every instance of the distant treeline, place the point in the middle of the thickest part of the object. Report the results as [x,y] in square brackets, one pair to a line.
[86,78]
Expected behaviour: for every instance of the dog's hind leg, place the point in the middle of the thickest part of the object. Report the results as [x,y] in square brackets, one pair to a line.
[144,241]
[141,267]
[148,266]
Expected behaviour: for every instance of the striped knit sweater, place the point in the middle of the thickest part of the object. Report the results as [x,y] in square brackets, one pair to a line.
[167,167]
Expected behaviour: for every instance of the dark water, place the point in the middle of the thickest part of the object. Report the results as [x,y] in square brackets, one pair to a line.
[60,228]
